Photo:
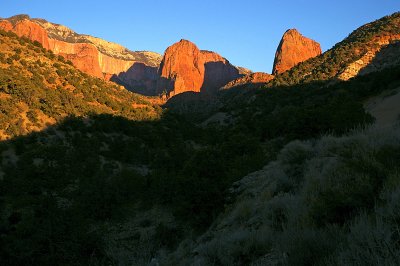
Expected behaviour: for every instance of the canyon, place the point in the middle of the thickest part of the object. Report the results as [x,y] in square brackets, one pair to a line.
[183,67]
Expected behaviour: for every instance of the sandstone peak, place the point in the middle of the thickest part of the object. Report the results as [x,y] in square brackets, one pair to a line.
[293,49]
[181,69]
[291,32]
[186,68]
[183,43]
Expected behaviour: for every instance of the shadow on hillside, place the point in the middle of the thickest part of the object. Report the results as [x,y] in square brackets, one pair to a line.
[143,79]
[217,75]
[58,187]
[57,183]
[388,56]
[139,78]
[62,188]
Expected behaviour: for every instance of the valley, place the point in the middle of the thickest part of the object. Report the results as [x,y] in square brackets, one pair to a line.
[117,157]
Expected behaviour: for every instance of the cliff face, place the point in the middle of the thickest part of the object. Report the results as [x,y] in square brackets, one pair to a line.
[218,71]
[140,78]
[6,25]
[182,69]
[293,49]
[91,55]
[186,68]
[33,31]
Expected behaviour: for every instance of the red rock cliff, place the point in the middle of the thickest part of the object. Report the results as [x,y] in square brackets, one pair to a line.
[182,69]
[6,25]
[186,68]
[293,49]
[91,55]
[218,71]
[32,31]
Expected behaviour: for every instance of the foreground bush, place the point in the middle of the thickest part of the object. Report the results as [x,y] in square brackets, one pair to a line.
[334,201]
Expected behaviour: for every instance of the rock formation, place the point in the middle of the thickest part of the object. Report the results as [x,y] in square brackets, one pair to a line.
[293,49]
[256,78]
[91,55]
[218,71]
[182,69]
[6,25]
[384,52]
[186,68]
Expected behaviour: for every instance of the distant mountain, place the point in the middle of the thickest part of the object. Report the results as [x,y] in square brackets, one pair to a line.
[361,52]
[293,49]
[187,68]
[92,55]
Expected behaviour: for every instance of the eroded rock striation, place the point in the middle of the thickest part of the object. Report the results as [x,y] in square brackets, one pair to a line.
[91,55]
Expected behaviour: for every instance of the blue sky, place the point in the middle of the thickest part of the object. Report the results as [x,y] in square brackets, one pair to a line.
[245,32]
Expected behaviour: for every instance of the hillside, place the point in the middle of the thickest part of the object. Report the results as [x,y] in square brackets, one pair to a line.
[347,58]
[38,89]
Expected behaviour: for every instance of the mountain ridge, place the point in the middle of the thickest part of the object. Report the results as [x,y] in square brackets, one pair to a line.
[329,65]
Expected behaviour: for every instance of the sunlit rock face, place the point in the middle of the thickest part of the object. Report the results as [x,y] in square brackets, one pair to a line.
[91,55]
[182,68]
[293,49]
[186,68]
[385,52]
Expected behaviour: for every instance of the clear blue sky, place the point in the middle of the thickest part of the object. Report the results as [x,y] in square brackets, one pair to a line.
[245,32]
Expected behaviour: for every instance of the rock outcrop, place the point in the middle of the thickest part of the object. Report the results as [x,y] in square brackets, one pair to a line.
[256,78]
[6,25]
[384,52]
[293,49]
[32,31]
[182,69]
[91,55]
[186,68]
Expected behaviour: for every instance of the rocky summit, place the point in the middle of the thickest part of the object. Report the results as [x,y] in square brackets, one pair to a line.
[186,68]
[182,68]
[293,49]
